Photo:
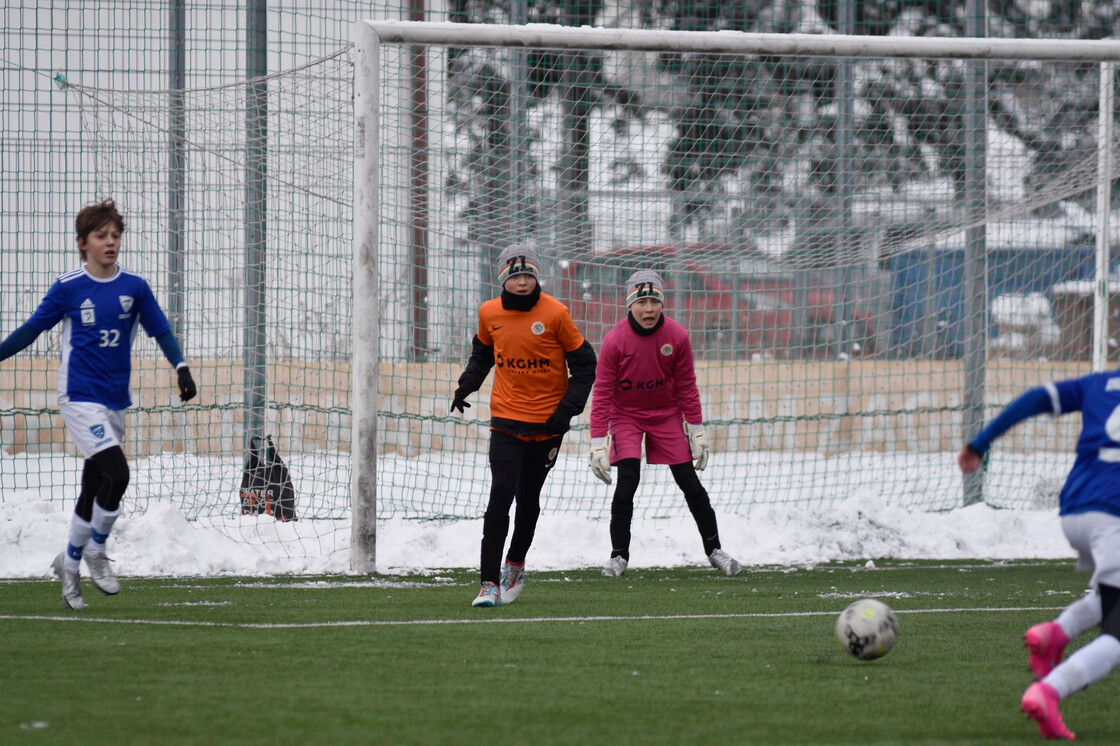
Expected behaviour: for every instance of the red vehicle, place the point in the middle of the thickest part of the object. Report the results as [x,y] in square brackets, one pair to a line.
[735,306]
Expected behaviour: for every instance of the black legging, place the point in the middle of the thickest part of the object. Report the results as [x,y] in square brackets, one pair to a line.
[695,496]
[518,469]
[104,480]
[1110,609]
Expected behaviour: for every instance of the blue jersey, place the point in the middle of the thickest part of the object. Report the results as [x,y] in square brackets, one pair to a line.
[99,321]
[1094,481]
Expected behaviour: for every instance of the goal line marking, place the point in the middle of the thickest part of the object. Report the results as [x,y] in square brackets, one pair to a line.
[520,620]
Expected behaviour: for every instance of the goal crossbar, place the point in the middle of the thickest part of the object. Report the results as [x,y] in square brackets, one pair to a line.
[550,36]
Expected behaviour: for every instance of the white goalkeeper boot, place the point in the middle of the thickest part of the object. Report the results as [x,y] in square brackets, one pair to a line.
[615,567]
[102,574]
[490,595]
[724,562]
[513,580]
[71,585]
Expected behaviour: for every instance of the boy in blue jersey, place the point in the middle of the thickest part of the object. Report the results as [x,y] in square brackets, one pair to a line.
[1089,505]
[99,306]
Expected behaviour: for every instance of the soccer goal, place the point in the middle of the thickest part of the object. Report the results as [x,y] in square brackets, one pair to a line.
[874,242]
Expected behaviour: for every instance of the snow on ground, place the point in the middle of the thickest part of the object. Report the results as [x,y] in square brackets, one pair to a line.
[162,542]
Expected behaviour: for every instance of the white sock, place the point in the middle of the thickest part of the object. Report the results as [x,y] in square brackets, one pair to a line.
[101,524]
[1081,616]
[1087,666]
[79,537]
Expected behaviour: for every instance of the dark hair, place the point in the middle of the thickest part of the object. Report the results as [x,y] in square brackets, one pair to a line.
[93,217]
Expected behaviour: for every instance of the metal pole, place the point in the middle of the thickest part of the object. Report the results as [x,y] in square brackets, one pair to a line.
[256,164]
[974,123]
[519,158]
[575,239]
[842,334]
[1105,149]
[419,191]
[177,168]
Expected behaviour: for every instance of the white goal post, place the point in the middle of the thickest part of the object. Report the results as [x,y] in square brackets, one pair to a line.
[374,213]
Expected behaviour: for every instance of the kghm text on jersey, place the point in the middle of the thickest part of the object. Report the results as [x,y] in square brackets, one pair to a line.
[519,363]
[626,384]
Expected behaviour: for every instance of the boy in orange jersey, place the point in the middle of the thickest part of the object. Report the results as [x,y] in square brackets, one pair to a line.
[531,338]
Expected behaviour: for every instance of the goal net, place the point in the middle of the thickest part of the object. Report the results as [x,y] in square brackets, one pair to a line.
[819,221]
[874,242]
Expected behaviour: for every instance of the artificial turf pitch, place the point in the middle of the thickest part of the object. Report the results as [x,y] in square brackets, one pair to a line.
[658,656]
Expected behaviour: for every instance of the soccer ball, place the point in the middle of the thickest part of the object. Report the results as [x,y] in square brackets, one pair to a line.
[867,629]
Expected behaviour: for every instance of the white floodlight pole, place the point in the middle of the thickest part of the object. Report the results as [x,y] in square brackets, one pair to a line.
[1105,149]
[366,321]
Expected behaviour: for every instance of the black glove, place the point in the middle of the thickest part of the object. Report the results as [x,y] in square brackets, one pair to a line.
[460,401]
[187,390]
[558,423]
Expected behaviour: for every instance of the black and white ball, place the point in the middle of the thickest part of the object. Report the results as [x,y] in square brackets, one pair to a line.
[867,629]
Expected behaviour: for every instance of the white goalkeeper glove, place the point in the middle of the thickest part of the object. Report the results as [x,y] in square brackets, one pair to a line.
[600,461]
[698,444]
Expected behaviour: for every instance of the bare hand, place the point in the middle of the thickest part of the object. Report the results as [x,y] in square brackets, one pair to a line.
[969,460]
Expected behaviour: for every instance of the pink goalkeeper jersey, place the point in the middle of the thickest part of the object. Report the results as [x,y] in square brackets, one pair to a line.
[644,377]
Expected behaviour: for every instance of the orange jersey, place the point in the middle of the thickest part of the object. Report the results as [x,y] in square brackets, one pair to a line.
[530,347]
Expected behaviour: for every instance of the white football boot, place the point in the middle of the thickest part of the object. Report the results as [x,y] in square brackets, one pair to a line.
[102,574]
[724,562]
[615,567]
[490,595]
[71,585]
[513,580]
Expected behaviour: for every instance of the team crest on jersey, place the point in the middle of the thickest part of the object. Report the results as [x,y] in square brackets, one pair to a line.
[89,318]
[1113,384]
[98,431]
[553,454]
[126,303]
[666,349]
[537,328]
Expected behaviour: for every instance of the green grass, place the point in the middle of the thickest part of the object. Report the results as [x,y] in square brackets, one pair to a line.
[681,656]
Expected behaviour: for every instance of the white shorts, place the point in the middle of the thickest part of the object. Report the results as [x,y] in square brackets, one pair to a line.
[94,427]
[1096,537]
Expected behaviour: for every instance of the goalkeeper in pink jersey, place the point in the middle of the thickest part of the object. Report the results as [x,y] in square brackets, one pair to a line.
[645,386]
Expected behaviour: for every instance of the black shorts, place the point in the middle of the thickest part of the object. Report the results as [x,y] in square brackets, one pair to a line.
[531,455]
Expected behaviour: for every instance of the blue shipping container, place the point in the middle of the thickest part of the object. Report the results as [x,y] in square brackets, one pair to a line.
[927,291]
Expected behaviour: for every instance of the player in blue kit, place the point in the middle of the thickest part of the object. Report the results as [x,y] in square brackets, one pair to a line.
[99,306]
[1089,505]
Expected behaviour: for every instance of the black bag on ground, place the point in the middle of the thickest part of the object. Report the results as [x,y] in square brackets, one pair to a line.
[252,481]
[266,483]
